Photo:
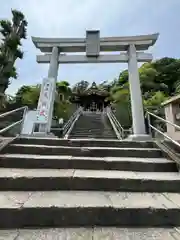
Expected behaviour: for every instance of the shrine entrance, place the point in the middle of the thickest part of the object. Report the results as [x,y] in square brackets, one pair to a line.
[93,99]
[132,51]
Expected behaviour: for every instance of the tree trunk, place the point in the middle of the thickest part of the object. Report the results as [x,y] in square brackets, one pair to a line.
[3,88]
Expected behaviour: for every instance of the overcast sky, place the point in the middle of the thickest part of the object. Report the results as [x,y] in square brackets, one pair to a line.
[71,18]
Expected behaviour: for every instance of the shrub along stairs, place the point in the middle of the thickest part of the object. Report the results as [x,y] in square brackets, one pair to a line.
[58,183]
[93,125]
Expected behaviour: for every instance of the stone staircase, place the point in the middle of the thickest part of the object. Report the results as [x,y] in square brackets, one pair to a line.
[87,183]
[93,125]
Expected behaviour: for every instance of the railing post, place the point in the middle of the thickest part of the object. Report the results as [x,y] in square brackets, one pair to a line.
[149,124]
[24,114]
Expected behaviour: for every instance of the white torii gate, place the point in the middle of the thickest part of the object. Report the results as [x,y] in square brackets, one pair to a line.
[132,52]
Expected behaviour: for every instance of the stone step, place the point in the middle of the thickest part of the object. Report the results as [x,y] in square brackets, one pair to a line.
[79,208]
[96,131]
[82,151]
[86,142]
[93,125]
[105,133]
[89,126]
[70,162]
[92,233]
[93,117]
[78,130]
[86,123]
[91,135]
[92,130]
[90,121]
[14,179]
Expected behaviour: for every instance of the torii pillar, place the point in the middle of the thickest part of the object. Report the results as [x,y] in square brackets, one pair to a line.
[46,99]
[139,130]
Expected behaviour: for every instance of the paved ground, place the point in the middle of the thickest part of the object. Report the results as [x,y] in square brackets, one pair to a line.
[92,234]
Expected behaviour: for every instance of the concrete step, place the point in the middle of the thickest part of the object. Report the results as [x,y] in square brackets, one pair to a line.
[82,151]
[92,233]
[108,138]
[85,142]
[77,208]
[70,162]
[14,179]
[87,124]
[93,124]
[90,121]
[91,135]
[93,132]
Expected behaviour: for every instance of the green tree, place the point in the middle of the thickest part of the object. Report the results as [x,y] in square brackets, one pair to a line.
[28,95]
[123,77]
[168,73]
[106,86]
[149,85]
[154,102]
[12,31]
[159,80]
[177,87]
[63,89]
[80,86]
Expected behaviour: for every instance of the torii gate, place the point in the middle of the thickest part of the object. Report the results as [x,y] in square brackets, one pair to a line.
[132,52]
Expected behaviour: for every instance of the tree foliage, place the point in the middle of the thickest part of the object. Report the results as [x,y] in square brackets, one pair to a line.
[13,31]
[159,80]
[80,86]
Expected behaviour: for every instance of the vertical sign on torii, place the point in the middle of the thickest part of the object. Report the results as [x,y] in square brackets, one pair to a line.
[132,49]
[45,105]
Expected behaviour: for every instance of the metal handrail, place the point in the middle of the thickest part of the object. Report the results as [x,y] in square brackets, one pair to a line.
[119,130]
[70,122]
[165,121]
[15,123]
[12,111]
[115,126]
[72,125]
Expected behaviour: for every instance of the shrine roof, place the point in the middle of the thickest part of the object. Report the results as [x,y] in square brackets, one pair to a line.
[93,90]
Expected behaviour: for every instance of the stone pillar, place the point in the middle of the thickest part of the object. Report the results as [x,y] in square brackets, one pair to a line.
[52,73]
[136,96]
[53,66]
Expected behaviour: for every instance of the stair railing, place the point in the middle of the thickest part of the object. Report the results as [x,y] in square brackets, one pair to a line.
[120,132]
[5,129]
[149,116]
[7,140]
[70,123]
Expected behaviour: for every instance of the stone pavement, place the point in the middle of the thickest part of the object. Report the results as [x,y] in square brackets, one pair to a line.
[92,234]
